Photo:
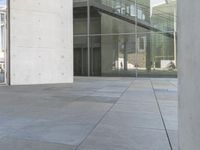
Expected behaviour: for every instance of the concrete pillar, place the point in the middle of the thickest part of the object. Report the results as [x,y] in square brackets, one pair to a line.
[41,40]
[189,74]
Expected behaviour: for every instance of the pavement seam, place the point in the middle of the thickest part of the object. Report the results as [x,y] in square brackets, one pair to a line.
[104,116]
[163,121]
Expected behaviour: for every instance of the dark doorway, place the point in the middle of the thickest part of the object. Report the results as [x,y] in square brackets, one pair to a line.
[96,61]
[80,62]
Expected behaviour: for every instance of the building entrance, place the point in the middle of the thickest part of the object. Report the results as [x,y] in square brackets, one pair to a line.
[81,61]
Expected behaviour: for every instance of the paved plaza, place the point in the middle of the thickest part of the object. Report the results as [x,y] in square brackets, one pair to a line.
[91,114]
[1,77]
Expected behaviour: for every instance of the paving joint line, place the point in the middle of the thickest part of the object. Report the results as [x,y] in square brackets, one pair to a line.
[163,121]
[103,116]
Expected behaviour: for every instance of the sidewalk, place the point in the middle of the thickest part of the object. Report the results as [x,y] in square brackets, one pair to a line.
[91,114]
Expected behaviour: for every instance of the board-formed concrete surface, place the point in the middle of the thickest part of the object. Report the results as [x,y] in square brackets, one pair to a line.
[189,70]
[91,114]
[41,41]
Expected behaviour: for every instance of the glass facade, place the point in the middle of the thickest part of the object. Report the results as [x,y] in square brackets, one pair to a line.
[125,38]
[3,19]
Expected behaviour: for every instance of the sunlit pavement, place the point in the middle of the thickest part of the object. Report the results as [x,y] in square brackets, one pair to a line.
[91,114]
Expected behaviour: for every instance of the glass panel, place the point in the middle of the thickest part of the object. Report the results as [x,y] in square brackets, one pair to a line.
[95,56]
[159,55]
[143,11]
[119,7]
[112,16]
[80,56]
[163,15]
[156,15]
[127,37]
[95,21]
[80,17]
[2,41]
[115,55]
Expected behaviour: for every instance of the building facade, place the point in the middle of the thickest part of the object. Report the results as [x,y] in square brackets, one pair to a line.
[134,38]
[124,38]
[3,38]
[38,45]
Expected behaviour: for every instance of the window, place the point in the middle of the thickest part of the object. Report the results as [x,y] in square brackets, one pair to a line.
[142,44]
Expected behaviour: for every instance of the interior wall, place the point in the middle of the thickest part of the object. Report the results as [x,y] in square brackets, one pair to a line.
[189,70]
[41,40]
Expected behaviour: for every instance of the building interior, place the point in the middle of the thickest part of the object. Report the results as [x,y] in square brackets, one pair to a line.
[118,43]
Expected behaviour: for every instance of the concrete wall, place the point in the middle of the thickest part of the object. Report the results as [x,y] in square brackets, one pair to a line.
[41,35]
[189,74]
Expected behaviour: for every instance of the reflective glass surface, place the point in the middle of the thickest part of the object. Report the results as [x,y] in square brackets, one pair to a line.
[3,20]
[127,37]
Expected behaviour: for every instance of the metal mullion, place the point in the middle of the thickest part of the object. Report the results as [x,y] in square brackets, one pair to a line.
[88,34]
[112,34]
[7,63]
[136,42]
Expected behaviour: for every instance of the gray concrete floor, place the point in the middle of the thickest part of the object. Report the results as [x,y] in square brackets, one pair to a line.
[91,114]
[1,77]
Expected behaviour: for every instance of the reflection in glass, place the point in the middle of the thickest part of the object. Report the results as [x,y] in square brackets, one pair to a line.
[164,16]
[113,56]
[80,17]
[80,56]
[2,40]
[159,55]
[127,37]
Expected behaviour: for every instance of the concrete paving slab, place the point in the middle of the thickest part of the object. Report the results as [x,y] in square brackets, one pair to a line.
[136,119]
[98,99]
[169,110]
[136,107]
[162,84]
[173,135]
[108,137]
[71,127]
[62,116]
[107,94]
[112,89]
[137,96]
[167,95]
[52,132]
[9,143]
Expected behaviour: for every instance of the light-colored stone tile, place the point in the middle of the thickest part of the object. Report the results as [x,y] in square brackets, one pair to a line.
[40,116]
[107,137]
[136,107]
[173,135]
[9,143]
[134,119]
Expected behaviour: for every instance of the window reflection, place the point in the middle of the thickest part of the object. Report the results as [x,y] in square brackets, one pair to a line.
[2,40]
[128,37]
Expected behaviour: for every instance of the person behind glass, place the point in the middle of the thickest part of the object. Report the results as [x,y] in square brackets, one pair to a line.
[172,65]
